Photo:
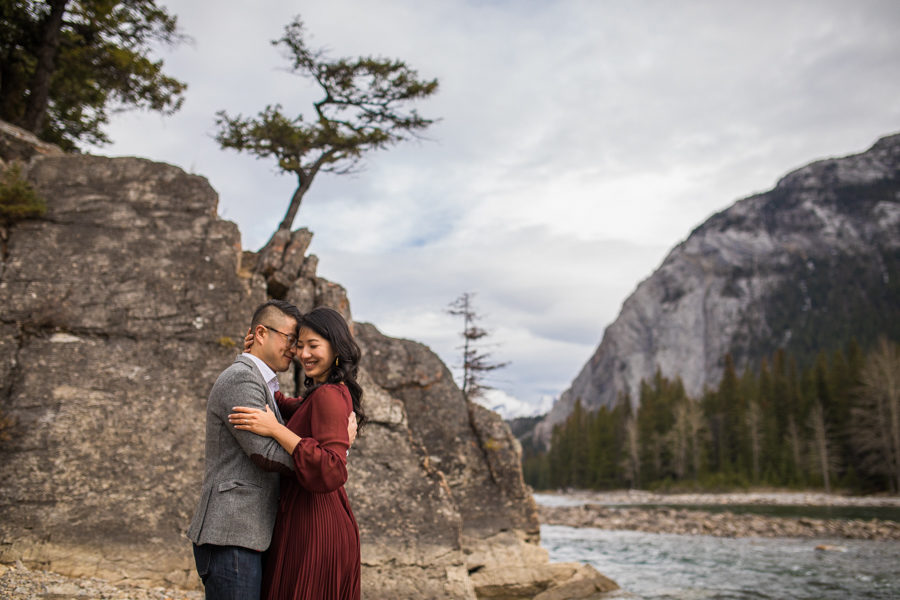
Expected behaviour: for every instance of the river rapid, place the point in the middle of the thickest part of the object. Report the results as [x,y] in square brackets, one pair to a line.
[658,566]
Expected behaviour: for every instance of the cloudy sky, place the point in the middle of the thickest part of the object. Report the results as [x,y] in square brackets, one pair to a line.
[578,141]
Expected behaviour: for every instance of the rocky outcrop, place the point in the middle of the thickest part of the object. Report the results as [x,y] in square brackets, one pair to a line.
[481,463]
[797,268]
[120,307]
[17,144]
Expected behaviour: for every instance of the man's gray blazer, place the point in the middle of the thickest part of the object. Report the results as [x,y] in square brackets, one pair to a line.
[239,497]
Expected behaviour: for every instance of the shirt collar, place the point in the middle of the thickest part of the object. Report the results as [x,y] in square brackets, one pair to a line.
[267,373]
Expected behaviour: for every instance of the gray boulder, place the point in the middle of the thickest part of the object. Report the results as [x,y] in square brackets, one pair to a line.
[121,306]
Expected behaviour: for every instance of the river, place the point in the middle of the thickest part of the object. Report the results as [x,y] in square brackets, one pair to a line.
[666,566]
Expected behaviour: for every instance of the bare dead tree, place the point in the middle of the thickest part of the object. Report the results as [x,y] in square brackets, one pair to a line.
[679,439]
[686,438]
[793,440]
[875,428]
[823,457]
[698,433]
[631,462]
[754,430]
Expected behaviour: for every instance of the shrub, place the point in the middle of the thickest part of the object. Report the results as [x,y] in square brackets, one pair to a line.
[18,198]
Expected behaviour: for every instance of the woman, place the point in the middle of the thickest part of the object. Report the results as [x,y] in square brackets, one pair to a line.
[315,544]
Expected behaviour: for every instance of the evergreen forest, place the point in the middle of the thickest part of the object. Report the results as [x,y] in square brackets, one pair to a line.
[833,425]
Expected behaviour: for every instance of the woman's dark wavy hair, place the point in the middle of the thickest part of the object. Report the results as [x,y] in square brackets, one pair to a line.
[329,324]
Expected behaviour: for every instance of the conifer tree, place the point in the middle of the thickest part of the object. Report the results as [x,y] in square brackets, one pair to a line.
[362,107]
[787,433]
[604,446]
[476,364]
[793,439]
[65,65]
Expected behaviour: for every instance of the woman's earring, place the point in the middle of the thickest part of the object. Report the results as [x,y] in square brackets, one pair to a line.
[337,360]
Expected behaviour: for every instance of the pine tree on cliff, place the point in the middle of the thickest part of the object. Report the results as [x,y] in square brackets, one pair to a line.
[362,108]
[476,364]
[66,64]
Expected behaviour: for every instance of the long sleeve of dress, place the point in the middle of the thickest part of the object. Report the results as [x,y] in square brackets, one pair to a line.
[287,406]
[321,463]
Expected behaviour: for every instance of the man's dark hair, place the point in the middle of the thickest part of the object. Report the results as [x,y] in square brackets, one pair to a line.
[267,309]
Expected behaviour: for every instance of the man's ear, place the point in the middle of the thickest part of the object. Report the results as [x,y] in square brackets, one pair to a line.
[259,334]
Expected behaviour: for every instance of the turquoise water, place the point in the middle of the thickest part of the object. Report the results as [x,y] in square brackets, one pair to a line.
[665,566]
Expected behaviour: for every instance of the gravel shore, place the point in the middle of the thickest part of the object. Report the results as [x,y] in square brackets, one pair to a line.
[773,497]
[622,510]
[17,582]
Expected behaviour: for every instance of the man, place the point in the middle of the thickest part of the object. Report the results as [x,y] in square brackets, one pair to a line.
[239,497]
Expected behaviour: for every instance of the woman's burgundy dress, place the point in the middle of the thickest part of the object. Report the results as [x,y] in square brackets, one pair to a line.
[315,545]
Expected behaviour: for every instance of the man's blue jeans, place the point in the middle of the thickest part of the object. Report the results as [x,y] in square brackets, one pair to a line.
[229,572]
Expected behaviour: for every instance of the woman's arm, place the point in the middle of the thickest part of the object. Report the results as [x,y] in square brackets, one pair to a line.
[287,406]
[264,423]
[322,465]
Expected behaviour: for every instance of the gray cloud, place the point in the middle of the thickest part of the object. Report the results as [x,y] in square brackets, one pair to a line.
[578,141]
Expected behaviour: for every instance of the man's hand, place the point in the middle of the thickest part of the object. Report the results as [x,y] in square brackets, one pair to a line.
[351,428]
[248,341]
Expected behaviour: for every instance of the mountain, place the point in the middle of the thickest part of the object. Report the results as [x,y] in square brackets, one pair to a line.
[804,267]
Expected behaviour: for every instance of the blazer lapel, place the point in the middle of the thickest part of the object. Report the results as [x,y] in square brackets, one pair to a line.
[270,398]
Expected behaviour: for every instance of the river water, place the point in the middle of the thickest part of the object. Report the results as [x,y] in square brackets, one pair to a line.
[654,566]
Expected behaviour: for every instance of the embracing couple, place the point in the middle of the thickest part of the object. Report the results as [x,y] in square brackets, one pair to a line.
[276,466]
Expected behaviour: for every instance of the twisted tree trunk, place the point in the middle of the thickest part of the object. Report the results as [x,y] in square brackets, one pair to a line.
[36,111]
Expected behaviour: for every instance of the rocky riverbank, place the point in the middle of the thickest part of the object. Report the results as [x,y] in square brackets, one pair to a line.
[623,511]
[766,496]
[17,582]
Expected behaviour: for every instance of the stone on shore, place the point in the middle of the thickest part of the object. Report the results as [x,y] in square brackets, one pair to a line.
[722,524]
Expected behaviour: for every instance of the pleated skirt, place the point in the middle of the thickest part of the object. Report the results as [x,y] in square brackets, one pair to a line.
[314,553]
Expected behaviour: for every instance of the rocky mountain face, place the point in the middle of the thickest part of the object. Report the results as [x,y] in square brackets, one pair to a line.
[805,266]
[123,303]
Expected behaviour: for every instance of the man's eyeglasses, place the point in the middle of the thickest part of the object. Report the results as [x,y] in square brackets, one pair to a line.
[291,339]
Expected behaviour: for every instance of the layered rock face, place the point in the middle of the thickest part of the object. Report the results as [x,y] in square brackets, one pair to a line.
[117,311]
[121,306]
[480,461]
[819,252]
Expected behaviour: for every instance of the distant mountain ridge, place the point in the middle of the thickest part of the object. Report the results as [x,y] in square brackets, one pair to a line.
[805,266]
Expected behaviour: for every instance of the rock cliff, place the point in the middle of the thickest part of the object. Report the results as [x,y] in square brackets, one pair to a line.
[120,307]
[803,267]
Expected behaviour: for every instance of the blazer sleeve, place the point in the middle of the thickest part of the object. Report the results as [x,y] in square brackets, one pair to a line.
[245,390]
[321,461]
